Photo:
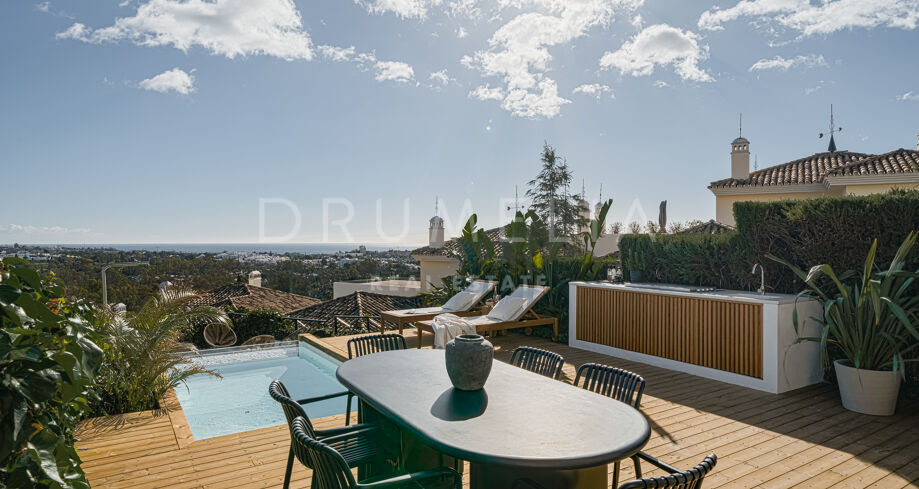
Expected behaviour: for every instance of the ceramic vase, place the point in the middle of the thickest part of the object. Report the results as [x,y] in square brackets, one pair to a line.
[469,358]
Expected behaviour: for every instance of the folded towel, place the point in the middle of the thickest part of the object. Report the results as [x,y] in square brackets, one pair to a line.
[449,326]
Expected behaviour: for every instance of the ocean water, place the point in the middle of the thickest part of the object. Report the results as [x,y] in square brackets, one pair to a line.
[276,248]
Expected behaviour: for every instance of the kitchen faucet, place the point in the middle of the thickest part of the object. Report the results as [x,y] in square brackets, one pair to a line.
[762,278]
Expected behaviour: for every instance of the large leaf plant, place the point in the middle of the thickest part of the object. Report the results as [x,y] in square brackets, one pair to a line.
[871,315]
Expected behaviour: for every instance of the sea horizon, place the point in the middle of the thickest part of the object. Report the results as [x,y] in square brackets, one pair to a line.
[276,248]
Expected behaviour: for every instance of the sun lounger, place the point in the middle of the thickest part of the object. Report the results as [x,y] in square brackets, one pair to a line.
[522,317]
[477,291]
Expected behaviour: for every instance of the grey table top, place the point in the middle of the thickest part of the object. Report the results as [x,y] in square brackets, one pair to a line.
[519,419]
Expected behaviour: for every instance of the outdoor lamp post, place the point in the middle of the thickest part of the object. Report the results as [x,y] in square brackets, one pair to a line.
[105,282]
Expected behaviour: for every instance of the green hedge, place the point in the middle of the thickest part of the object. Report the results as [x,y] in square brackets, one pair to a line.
[246,324]
[834,230]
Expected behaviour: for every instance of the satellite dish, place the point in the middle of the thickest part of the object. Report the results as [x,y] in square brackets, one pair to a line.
[821,135]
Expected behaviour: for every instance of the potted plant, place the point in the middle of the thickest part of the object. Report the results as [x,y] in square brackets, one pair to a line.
[636,265]
[871,317]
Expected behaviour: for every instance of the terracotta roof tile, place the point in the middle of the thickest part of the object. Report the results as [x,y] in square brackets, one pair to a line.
[811,169]
[897,161]
[710,227]
[251,297]
[357,304]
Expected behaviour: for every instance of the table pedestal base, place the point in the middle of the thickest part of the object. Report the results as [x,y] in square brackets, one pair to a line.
[486,476]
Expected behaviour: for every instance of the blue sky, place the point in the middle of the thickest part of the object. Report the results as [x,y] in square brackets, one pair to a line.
[168,120]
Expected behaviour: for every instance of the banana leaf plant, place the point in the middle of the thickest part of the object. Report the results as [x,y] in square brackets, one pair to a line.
[477,251]
[589,266]
[871,315]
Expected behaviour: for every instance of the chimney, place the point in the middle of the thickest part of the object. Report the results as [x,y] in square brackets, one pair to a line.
[740,159]
[255,278]
[436,233]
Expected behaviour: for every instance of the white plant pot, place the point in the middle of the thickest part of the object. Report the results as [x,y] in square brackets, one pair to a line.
[867,391]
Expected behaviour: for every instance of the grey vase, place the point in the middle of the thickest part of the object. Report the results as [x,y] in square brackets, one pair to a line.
[469,358]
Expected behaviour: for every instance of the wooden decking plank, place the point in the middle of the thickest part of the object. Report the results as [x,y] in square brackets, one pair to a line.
[761,439]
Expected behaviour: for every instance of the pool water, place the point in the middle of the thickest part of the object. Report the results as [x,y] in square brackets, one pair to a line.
[239,401]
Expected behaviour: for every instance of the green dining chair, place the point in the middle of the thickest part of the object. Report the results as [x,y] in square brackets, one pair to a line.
[331,469]
[359,444]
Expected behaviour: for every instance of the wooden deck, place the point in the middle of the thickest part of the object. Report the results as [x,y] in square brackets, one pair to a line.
[798,439]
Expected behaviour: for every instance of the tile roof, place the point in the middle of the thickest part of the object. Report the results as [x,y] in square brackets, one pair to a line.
[357,304]
[710,227]
[811,169]
[897,161]
[452,247]
[251,297]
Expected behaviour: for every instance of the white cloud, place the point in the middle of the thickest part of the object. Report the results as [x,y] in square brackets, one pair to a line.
[824,17]
[441,78]
[175,80]
[594,90]
[335,53]
[417,9]
[30,229]
[519,50]
[461,33]
[43,6]
[485,92]
[76,31]
[396,71]
[909,96]
[783,64]
[661,84]
[660,45]
[224,27]
[543,102]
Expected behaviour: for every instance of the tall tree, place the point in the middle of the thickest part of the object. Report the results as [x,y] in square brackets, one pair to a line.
[550,197]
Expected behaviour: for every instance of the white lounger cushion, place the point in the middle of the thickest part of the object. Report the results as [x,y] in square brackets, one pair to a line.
[507,308]
[461,301]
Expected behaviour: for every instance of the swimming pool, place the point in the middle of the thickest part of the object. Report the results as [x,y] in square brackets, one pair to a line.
[239,401]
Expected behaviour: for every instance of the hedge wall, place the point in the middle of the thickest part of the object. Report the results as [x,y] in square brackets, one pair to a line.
[834,230]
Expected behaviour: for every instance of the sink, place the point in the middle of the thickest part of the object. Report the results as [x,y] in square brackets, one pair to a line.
[672,287]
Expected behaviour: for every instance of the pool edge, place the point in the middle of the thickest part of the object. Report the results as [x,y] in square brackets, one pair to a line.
[180,428]
[325,347]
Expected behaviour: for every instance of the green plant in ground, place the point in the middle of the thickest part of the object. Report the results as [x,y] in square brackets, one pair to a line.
[139,362]
[47,364]
[871,315]
[551,198]
[477,253]
[247,323]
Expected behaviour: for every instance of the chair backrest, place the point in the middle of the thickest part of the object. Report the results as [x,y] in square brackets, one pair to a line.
[373,343]
[532,294]
[688,479]
[617,383]
[481,288]
[219,335]
[538,361]
[292,411]
[330,470]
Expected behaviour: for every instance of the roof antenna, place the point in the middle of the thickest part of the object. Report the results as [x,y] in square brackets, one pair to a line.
[437,206]
[833,129]
[516,201]
[740,126]
[755,162]
[601,192]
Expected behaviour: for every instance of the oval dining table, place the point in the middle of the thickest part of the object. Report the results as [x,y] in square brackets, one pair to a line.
[521,425]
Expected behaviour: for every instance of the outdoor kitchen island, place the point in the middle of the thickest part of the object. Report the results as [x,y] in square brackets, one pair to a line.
[739,337]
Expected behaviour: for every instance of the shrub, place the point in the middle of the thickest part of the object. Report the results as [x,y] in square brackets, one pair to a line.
[140,365]
[804,232]
[248,323]
[47,363]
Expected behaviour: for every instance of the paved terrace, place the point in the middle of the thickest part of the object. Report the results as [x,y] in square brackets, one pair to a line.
[799,439]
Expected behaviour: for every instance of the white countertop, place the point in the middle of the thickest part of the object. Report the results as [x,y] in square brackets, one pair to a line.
[683,290]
